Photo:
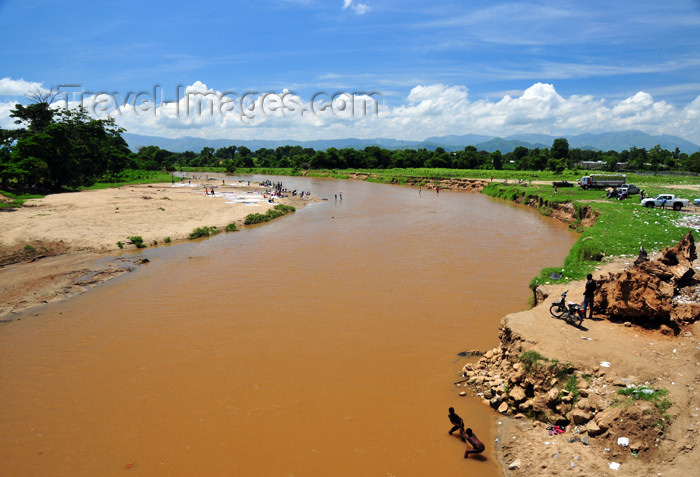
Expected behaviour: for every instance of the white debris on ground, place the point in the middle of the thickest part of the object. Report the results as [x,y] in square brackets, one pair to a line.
[690,220]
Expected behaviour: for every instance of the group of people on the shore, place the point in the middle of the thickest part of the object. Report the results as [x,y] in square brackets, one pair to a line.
[466,435]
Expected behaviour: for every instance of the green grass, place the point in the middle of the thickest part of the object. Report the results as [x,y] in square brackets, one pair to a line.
[657,397]
[620,229]
[131,177]
[231,227]
[17,199]
[532,360]
[567,379]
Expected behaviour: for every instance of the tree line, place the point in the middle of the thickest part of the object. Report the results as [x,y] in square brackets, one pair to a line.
[66,148]
[557,158]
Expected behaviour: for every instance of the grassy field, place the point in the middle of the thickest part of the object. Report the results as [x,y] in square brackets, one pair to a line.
[133,177]
[621,228]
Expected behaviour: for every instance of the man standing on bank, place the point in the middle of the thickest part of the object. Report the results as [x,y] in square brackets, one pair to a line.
[588,295]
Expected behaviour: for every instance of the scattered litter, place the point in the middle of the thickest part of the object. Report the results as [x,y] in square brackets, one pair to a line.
[586,338]
[556,456]
[546,443]
[614,465]
[555,276]
[575,439]
[573,465]
[585,440]
[606,449]
[605,364]
[623,441]
[554,430]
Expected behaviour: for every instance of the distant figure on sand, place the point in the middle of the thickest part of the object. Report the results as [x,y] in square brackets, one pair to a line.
[457,422]
[470,437]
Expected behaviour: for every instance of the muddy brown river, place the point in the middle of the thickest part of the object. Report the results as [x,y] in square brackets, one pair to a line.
[324,343]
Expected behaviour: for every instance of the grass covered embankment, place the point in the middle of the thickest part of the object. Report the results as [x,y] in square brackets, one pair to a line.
[619,229]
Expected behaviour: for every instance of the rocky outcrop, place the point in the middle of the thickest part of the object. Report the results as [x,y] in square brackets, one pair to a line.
[516,381]
[654,293]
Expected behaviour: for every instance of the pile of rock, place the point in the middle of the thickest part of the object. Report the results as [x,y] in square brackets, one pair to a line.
[648,294]
[582,404]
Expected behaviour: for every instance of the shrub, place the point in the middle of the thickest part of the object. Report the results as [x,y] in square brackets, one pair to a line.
[29,248]
[120,244]
[204,232]
[167,240]
[138,241]
[231,227]
[277,211]
[531,360]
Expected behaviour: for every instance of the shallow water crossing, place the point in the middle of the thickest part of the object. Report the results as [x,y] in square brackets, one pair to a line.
[323,343]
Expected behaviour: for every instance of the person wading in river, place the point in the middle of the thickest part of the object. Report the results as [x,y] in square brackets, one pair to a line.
[457,422]
[470,437]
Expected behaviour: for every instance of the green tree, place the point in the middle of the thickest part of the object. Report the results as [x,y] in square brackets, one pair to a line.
[60,148]
[497,160]
[560,149]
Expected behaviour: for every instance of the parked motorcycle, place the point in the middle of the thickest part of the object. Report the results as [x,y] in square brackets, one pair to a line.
[571,312]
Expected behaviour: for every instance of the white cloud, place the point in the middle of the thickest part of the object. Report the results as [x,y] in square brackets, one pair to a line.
[427,110]
[359,8]
[13,87]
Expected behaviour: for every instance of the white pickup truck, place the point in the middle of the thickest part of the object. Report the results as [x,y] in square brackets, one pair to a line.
[666,200]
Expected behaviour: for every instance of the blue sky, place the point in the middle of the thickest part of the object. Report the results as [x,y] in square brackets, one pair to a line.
[451,67]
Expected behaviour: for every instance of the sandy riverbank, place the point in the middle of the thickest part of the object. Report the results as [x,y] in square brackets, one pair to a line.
[59,246]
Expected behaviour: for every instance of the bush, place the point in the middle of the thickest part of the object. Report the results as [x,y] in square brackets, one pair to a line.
[231,227]
[138,241]
[120,244]
[204,232]
[277,211]
[531,360]
[166,240]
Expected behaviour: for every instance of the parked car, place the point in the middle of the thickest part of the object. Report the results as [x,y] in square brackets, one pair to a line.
[562,184]
[666,200]
[630,189]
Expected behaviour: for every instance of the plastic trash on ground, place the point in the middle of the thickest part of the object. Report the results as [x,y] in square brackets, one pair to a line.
[614,465]
[623,441]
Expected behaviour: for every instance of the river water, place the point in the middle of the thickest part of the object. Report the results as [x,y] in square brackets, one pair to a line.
[321,344]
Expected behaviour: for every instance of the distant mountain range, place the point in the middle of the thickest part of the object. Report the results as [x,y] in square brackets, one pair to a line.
[616,141]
